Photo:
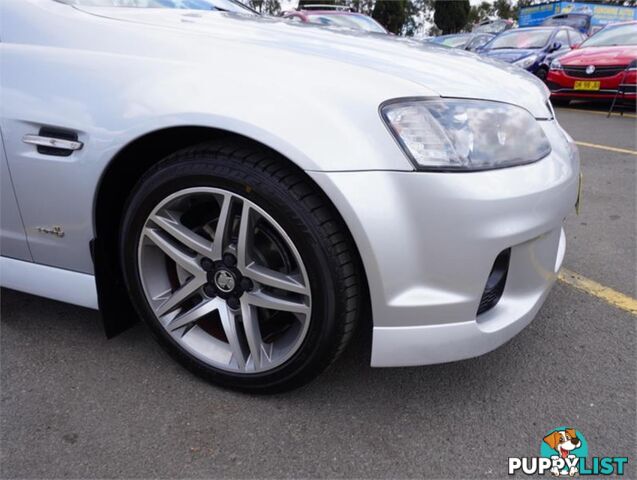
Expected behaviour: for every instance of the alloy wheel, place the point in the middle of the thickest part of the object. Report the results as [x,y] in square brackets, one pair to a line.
[224,279]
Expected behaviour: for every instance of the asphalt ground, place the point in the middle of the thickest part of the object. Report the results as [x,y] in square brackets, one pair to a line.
[74,405]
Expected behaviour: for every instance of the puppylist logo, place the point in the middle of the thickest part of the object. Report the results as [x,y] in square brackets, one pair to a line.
[564,453]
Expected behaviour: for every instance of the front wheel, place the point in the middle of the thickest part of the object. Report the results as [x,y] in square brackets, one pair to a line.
[241,268]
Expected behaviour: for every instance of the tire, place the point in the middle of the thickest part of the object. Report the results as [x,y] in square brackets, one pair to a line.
[296,235]
[541,73]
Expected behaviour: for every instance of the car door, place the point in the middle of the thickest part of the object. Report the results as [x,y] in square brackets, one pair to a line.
[13,240]
[45,118]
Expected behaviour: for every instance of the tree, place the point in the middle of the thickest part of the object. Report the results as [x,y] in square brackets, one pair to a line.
[362,6]
[414,18]
[391,14]
[302,3]
[451,15]
[269,7]
[419,13]
[478,13]
[503,9]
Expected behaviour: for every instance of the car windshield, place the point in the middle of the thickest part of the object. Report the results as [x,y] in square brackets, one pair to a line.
[454,41]
[521,39]
[222,5]
[355,21]
[611,36]
[479,41]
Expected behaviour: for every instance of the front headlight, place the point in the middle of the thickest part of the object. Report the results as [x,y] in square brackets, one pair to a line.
[465,135]
[556,65]
[526,62]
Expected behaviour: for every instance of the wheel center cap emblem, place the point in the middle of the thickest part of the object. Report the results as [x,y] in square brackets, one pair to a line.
[224,280]
[590,69]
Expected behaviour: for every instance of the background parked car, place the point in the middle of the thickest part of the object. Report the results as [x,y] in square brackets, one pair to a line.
[602,14]
[579,21]
[533,48]
[493,26]
[603,65]
[466,41]
[331,16]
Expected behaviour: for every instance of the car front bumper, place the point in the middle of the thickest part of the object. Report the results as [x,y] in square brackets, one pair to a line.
[428,242]
[563,86]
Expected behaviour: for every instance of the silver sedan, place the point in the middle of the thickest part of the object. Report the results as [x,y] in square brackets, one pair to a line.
[252,187]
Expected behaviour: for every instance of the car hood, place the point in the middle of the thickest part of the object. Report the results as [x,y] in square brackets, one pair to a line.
[619,55]
[510,55]
[437,70]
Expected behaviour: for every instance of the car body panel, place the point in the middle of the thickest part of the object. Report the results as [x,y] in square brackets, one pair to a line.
[392,59]
[615,55]
[13,240]
[49,282]
[144,63]
[532,273]
[454,226]
[427,240]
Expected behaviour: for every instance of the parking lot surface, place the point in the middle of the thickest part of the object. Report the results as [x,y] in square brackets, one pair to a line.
[74,404]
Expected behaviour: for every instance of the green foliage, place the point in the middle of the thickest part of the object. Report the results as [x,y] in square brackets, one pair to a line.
[480,12]
[302,3]
[269,7]
[503,9]
[391,14]
[451,16]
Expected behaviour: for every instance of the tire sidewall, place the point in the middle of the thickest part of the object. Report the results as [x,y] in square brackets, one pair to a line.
[315,351]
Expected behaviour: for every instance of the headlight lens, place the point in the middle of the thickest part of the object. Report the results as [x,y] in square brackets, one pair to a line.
[556,65]
[465,135]
[526,62]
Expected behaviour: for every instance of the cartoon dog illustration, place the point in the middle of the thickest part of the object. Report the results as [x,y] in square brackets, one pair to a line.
[563,442]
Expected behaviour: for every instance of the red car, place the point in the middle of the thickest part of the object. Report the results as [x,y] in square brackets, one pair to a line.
[598,68]
[335,16]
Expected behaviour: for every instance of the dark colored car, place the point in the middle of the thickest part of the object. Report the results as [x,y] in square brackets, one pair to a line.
[533,48]
[330,16]
[466,41]
[579,21]
[600,68]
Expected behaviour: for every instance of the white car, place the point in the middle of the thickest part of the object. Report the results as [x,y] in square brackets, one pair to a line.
[252,187]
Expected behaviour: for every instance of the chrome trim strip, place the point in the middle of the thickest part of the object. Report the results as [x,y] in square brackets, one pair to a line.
[52,142]
[572,90]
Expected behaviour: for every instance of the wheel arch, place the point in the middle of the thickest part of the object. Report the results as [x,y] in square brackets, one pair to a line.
[117,181]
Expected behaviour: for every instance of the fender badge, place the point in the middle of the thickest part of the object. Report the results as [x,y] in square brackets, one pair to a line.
[55,230]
